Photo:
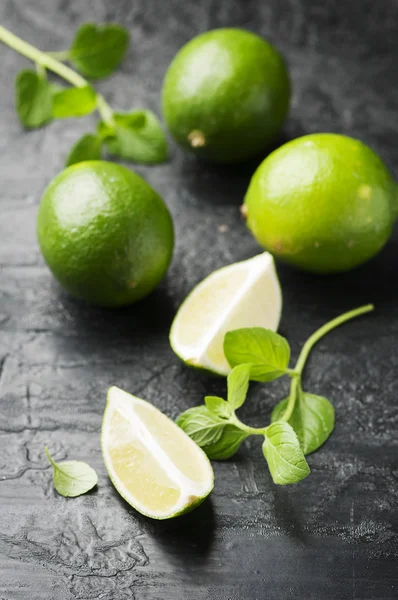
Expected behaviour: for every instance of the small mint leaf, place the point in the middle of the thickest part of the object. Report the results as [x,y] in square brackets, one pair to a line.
[137,136]
[74,102]
[238,385]
[218,406]
[267,352]
[97,50]
[284,455]
[72,478]
[88,147]
[312,419]
[203,426]
[227,444]
[33,99]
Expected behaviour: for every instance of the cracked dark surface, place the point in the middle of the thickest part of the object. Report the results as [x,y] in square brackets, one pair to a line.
[334,535]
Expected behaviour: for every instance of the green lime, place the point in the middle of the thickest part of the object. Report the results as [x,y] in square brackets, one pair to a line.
[105,233]
[324,202]
[226,95]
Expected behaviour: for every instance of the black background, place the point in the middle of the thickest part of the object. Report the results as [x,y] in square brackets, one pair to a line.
[331,537]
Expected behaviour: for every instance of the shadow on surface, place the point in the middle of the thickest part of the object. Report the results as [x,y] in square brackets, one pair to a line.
[187,538]
[374,282]
[150,316]
[286,514]
[226,184]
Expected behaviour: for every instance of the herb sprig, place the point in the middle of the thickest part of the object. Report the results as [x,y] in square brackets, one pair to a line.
[300,424]
[96,51]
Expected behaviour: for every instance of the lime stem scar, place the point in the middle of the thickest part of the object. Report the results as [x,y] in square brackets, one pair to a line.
[243,211]
[197,138]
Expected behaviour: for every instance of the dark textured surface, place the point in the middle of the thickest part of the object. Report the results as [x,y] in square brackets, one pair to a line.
[334,535]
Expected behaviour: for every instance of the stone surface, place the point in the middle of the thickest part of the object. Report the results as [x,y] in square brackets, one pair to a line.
[334,535]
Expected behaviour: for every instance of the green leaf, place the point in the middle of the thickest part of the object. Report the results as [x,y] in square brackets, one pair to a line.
[137,136]
[88,147]
[238,384]
[227,444]
[97,50]
[203,426]
[218,406]
[312,419]
[72,478]
[33,99]
[215,435]
[74,102]
[284,455]
[266,351]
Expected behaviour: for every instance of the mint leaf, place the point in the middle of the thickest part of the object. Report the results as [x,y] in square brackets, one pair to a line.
[74,102]
[33,99]
[97,50]
[214,434]
[312,419]
[218,406]
[227,444]
[266,351]
[72,478]
[137,136]
[88,147]
[238,384]
[203,426]
[283,453]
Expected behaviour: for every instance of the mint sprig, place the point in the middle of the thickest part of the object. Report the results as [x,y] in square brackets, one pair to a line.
[96,51]
[300,424]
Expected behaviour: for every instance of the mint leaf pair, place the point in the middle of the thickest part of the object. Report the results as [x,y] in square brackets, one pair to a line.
[300,424]
[136,136]
[216,428]
[38,101]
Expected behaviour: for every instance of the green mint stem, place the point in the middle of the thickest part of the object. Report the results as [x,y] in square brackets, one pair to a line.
[41,71]
[59,55]
[41,58]
[49,456]
[105,110]
[309,344]
[249,430]
[46,60]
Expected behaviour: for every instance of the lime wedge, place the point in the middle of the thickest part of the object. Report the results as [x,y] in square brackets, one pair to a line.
[152,463]
[244,294]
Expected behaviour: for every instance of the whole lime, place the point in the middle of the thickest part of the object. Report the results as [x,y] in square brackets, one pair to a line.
[106,235]
[226,95]
[324,202]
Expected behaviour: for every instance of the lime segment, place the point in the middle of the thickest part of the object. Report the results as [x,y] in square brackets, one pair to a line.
[152,463]
[244,294]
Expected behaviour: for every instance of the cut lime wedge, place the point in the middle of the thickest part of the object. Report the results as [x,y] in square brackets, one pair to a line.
[152,463]
[244,294]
